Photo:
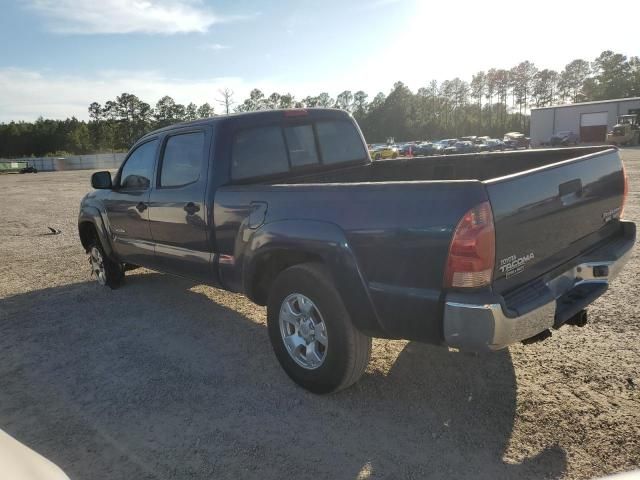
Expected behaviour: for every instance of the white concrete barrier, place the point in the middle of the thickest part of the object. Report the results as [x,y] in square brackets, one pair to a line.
[106,161]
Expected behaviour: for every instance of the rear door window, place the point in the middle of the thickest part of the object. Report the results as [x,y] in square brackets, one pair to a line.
[257,152]
[302,145]
[339,142]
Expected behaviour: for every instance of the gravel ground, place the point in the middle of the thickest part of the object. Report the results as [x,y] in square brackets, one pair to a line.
[165,378]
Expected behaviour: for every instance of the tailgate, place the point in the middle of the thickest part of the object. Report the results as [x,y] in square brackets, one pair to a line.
[546,216]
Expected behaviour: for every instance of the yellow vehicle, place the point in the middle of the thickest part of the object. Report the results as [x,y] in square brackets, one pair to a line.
[626,131]
[379,152]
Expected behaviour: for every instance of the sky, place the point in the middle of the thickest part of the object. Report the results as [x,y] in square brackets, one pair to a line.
[58,56]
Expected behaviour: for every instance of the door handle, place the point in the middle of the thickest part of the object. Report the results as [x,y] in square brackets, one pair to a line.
[141,207]
[191,208]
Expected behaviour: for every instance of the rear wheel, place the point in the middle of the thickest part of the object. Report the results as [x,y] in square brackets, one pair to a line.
[311,332]
[107,272]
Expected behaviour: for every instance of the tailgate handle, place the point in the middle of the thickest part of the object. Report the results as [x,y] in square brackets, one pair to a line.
[570,191]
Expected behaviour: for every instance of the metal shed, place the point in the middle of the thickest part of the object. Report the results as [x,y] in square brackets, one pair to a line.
[590,120]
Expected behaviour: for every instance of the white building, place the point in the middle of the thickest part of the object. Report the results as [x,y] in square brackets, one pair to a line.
[590,120]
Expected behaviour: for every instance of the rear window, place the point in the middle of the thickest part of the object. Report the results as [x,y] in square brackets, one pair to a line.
[339,142]
[270,150]
[302,145]
[258,151]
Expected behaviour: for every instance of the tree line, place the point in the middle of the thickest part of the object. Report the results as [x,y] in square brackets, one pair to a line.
[491,103]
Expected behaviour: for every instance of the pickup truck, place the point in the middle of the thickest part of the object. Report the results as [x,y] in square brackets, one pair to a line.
[472,251]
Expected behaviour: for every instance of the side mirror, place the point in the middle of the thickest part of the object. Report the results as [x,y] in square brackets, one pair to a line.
[101,180]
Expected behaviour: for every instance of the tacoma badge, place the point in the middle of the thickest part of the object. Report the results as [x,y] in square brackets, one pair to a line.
[513,265]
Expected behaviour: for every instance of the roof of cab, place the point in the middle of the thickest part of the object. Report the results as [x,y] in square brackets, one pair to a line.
[262,114]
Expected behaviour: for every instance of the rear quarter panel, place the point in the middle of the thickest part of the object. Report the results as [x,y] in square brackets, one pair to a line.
[397,232]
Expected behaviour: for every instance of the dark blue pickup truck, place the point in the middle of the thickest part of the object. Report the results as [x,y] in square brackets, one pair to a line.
[474,251]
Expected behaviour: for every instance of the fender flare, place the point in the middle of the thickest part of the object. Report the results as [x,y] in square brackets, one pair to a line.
[92,215]
[326,241]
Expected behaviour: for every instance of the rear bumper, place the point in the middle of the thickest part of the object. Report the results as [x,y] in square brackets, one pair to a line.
[482,322]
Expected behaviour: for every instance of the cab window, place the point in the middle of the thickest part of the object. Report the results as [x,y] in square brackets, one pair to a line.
[258,151]
[339,142]
[302,145]
[182,159]
[138,169]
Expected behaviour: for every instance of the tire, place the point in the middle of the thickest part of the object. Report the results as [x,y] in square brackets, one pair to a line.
[377,157]
[346,351]
[107,272]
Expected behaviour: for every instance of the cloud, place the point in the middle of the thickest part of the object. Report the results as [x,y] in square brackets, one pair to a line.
[372,5]
[215,47]
[126,16]
[27,94]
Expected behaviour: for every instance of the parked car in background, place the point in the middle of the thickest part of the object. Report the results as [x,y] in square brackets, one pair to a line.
[564,138]
[383,152]
[495,144]
[441,145]
[438,147]
[470,138]
[481,145]
[516,140]
[405,148]
[460,147]
[424,148]
[29,169]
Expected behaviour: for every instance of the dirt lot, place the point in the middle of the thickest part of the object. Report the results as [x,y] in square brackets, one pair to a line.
[168,379]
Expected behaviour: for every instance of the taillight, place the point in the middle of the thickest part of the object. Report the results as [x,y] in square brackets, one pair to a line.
[472,251]
[625,191]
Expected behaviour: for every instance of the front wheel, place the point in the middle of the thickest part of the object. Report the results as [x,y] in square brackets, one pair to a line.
[107,272]
[311,332]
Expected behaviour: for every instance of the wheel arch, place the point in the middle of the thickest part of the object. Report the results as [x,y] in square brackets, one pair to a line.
[90,227]
[280,245]
[88,233]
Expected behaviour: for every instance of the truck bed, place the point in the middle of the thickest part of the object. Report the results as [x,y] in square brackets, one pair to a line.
[550,204]
[481,166]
